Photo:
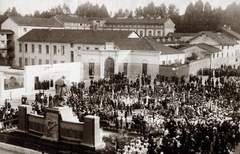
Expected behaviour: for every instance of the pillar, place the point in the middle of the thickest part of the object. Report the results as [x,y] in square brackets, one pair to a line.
[92,132]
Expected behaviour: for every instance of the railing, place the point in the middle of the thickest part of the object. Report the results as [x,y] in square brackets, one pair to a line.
[8,125]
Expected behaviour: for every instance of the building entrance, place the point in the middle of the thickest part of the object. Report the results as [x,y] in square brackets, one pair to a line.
[109,68]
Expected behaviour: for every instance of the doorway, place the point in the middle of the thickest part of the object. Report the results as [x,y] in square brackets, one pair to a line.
[109,68]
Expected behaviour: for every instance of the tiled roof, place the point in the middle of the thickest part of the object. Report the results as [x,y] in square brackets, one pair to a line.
[221,39]
[38,22]
[71,19]
[164,49]
[179,35]
[134,44]
[144,44]
[209,48]
[73,36]
[96,18]
[131,21]
[230,32]
[2,18]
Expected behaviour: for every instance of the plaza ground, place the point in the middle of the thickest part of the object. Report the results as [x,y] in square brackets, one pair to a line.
[15,102]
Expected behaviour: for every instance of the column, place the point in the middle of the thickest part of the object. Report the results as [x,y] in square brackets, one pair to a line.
[116,68]
[101,67]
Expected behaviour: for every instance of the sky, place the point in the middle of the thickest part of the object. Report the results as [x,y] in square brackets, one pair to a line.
[29,6]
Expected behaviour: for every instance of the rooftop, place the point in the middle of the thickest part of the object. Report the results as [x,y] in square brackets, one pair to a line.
[229,31]
[38,22]
[144,44]
[71,19]
[132,21]
[209,48]
[73,36]
[220,38]
[179,35]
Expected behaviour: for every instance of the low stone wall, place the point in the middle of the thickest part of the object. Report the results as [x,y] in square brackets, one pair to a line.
[71,132]
[59,125]
[36,124]
[17,149]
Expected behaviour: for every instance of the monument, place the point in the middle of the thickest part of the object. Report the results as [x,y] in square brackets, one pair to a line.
[59,125]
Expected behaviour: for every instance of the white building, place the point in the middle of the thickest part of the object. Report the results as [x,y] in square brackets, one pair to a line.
[229,47]
[103,53]
[21,25]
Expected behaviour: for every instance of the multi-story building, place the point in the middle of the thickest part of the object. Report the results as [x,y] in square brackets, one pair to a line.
[229,47]
[6,46]
[21,25]
[103,53]
[143,27]
[73,22]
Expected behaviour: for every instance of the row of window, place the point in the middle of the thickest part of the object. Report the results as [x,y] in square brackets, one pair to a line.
[170,62]
[77,24]
[33,62]
[47,48]
[140,26]
[222,55]
[150,33]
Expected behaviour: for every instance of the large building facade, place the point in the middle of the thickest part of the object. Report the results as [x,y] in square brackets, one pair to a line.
[22,25]
[143,27]
[229,48]
[6,47]
[103,53]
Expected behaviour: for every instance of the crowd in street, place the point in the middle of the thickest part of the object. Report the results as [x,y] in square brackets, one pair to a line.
[197,116]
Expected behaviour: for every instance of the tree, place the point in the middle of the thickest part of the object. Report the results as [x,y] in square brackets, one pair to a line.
[46,14]
[66,9]
[37,14]
[138,11]
[173,14]
[194,56]
[188,16]
[8,12]
[104,12]
[84,9]
[14,11]
[120,13]
[130,15]
[161,11]
[149,10]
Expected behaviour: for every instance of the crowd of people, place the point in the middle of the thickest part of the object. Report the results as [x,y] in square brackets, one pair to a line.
[45,85]
[8,115]
[197,116]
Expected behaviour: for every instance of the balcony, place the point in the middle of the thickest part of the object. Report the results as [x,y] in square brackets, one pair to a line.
[11,47]
[11,54]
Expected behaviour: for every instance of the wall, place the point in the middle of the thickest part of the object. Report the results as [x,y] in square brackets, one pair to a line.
[6,73]
[204,39]
[194,49]
[72,72]
[197,65]
[71,131]
[36,124]
[18,32]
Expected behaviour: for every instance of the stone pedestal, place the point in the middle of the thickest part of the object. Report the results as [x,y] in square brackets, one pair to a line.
[92,135]
[24,110]
[51,126]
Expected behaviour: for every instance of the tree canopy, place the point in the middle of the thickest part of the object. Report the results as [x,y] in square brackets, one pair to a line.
[198,16]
